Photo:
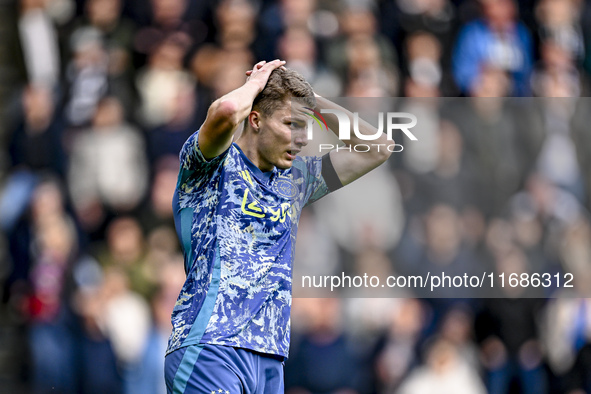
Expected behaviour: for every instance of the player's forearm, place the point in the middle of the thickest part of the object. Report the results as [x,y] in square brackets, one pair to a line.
[234,107]
[364,128]
[223,117]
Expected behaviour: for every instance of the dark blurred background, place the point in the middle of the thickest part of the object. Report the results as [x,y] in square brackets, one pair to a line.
[98,96]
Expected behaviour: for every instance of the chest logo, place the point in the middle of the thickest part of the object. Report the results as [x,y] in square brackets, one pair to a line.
[254,208]
[285,188]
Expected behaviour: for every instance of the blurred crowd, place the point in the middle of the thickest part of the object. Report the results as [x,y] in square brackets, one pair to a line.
[98,96]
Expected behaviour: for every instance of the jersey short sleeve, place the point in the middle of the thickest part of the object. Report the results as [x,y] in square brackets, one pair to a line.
[192,159]
[316,176]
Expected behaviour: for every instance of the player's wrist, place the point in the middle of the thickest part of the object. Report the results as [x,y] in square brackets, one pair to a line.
[255,85]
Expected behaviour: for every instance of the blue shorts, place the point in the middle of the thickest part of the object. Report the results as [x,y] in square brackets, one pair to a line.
[209,369]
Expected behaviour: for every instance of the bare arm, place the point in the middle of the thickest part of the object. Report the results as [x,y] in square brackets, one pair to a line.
[225,114]
[350,165]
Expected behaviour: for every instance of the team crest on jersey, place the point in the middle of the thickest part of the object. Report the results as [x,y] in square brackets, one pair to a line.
[285,187]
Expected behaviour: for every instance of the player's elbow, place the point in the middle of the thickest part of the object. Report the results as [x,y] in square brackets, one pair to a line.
[225,112]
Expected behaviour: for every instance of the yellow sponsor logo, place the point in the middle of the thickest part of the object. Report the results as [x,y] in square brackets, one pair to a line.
[253,208]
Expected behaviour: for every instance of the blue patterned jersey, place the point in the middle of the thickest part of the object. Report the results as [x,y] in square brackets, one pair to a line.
[238,226]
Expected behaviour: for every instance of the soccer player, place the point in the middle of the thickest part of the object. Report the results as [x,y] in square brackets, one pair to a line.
[236,210]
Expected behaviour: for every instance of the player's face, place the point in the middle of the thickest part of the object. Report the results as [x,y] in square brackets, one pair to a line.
[282,136]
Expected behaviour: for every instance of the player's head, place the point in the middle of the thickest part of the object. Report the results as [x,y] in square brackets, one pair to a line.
[282,86]
[277,121]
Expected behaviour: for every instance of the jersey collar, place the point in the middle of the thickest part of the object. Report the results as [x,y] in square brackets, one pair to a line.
[265,177]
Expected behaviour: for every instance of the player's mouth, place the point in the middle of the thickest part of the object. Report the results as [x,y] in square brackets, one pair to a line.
[292,153]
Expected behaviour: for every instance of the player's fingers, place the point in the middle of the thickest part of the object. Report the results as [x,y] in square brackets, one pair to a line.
[256,67]
[264,68]
[274,64]
[259,65]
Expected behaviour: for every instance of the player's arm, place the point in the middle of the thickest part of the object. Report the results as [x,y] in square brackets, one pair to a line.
[352,165]
[226,113]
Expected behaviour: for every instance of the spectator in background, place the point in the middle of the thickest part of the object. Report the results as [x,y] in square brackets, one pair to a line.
[401,19]
[168,15]
[425,66]
[551,142]
[227,78]
[108,169]
[236,22]
[443,251]
[284,15]
[556,66]
[509,350]
[126,251]
[119,332]
[559,21]
[371,259]
[184,114]
[324,360]
[362,55]
[424,69]
[298,48]
[168,19]
[162,248]
[87,76]
[117,31]
[444,372]
[54,252]
[457,328]
[145,375]
[115,326]
[558,81]
[498,40]
[560,142]
[313,255]
[398,348]
[116,34]
[364,224]
[528,233]
[421,85]
[567,319]
[126,321]
[489,129]
[450,181]
[39,42]
[555,209]
[421,158]
[162,82]
[37,138]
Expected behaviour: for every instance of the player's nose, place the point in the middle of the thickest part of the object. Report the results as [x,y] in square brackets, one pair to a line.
[300,138]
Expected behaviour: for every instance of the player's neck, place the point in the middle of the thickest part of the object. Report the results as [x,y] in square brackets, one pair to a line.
[248,146]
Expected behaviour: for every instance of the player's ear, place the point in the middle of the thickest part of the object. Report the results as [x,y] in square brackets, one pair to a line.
[254,120]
